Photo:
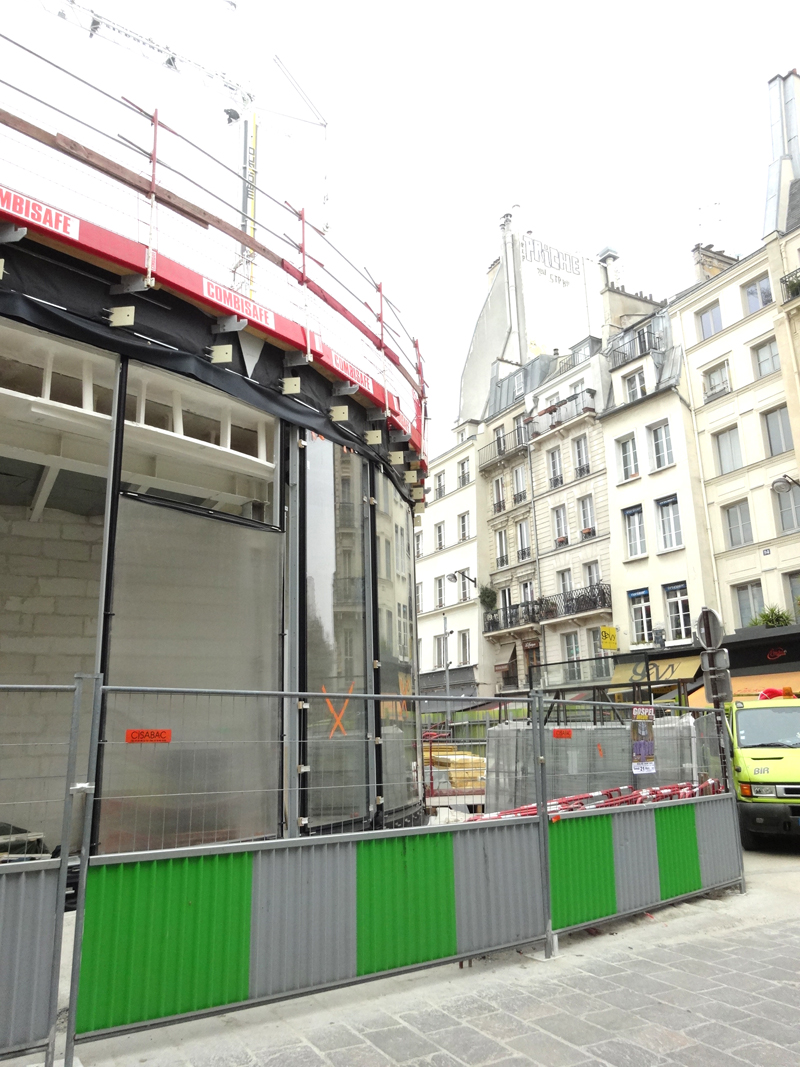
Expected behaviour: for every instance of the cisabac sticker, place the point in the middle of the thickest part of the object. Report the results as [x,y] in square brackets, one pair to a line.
[148,737]
[565,734]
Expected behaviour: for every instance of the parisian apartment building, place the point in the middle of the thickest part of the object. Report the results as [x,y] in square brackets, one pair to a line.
[641,472]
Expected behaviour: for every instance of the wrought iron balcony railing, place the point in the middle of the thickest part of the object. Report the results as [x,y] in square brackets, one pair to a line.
[790,285]
[523,554]
[521,496]
[582,471]
[641,343]
[572,361]
[499,505]
[716,392]
[591,598]
[348,591]
[556,481]
[503,446]
[523,614]
[588,532]
[573,407]
[502,561]
[463,479]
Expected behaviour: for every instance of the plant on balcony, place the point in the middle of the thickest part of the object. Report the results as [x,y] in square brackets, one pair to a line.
[550,410]
[487,597]
[772,616]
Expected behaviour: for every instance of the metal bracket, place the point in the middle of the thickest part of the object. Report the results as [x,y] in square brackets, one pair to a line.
[373,437]
[345,389]
[375,414]
[339,413]
[378,800]
[82,787]
[9,233]
[378,740]
[302,821]
[376,664]
[302,705]
[397,436]
[119,316]
[220,353]
[297,359]
[229,324]
[303,768]
[132,283]
[291,386]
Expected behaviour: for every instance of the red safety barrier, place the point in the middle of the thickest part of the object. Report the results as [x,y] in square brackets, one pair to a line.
[619,796]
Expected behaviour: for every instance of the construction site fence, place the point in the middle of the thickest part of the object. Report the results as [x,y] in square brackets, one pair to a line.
[168,930]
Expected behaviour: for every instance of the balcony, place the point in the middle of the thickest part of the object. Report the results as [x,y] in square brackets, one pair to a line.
[521,496]
[572,361]
[502,561]
[716,392]
[582,471]
[523,554]
[439,491]
[591,598]
[790,285]
[641,344]
[523,614]
[562,542]
[557,481]
[530,612]
[463,479]
[566,410]
[503,446]
[348,591]
[588,533]
[346,513]
[498,506]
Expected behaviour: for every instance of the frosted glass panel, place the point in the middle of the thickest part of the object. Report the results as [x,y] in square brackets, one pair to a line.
[197,601]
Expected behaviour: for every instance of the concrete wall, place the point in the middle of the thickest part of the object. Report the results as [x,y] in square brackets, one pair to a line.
[49,589]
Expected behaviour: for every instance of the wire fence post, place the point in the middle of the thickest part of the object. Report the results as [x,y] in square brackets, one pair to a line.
[86,787]
[536,712]
[66,828]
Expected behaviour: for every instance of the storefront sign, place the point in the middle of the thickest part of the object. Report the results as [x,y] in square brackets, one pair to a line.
[643,747]
[148,737]
[608,638]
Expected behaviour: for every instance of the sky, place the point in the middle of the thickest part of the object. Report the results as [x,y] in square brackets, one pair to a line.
[640,127]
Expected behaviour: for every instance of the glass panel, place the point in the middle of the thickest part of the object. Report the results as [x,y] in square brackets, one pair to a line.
[338,792]
[398,717]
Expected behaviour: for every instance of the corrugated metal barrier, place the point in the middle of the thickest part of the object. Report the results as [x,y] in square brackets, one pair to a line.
[183,931]
[28,896]
[173,932]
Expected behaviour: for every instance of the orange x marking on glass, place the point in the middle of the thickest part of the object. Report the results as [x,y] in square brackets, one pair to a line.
[337,715]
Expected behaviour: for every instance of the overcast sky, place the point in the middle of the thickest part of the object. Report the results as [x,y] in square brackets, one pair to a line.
[642,127]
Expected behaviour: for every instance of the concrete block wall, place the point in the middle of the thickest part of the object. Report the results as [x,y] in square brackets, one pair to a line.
[49,589]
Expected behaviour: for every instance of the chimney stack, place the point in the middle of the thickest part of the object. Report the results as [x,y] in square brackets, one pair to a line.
[708,263]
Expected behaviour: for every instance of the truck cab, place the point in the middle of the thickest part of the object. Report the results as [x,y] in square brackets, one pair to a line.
[765,736]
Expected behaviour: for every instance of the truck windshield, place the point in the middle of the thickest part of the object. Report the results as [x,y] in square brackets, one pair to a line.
[769,727]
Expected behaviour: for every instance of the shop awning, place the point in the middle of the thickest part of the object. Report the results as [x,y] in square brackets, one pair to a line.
[662,671]
[503,654]
[748,686]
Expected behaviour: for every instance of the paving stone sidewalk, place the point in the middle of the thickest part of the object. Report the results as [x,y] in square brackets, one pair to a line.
[713,1001]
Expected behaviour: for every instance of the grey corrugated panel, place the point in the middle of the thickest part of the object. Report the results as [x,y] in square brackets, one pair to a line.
[718,840]
[303,932]
[498,886]
[27,925]
[635,858]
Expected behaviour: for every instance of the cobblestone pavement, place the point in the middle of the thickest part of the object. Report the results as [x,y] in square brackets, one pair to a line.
[709,983]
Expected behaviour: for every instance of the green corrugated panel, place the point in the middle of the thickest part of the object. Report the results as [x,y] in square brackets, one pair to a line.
[406,905]
[678,858]
[582,883]
[164,937]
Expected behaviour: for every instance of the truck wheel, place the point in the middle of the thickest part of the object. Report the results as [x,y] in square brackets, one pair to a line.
[749,839]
